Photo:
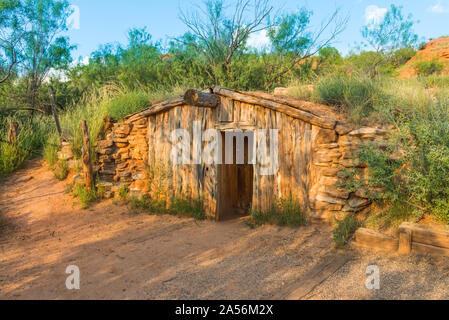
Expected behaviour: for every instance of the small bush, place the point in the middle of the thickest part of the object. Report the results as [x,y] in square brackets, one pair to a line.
[60,171]
[344,230]
[283,212]
[84,195]
[428,68]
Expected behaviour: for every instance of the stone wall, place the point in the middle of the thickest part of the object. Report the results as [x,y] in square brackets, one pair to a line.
[123,157]
[336,151]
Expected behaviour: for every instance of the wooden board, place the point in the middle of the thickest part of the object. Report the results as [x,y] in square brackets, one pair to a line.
[226,110]
[426,236]
[371,239]
[427,249]
[317,275]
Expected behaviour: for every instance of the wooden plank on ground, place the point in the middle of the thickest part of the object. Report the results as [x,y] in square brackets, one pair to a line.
[428,249]
[372,239]
[317,275]
[427,236]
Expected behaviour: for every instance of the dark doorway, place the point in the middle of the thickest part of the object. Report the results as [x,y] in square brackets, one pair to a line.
[235,184]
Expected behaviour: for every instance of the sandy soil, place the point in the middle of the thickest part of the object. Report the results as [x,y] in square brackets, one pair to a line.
[127,256]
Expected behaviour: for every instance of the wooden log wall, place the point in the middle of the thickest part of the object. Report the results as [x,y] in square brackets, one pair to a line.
[313,152]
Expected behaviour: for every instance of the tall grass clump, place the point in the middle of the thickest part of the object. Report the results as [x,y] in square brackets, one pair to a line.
[85,196]
[358,96]
[283,212]
[404,96]
[110,100]
[344,230]
[33,132]
[439,82]
[127,103]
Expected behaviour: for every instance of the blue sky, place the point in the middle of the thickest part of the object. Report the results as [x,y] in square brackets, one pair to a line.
[105,21]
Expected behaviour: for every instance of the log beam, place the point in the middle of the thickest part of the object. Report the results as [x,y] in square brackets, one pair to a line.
[308,117]
[201,99]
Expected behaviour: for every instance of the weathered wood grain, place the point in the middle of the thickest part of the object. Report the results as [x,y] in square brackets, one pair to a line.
[293,112]
[371,239]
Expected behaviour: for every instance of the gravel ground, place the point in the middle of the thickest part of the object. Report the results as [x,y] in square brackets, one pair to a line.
[416,277]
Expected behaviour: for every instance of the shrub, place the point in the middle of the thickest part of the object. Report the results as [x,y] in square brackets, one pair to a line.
[283,212]
[344,230]
[427,68]
[412,171]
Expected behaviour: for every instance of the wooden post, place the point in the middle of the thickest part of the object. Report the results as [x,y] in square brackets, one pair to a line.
[55,111]
[86,157]
[13,133]
[405,242]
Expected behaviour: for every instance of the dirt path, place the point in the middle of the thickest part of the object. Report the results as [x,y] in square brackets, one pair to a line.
[127,256]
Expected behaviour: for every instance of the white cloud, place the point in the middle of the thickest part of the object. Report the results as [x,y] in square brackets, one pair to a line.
[374,14]
[439,7]
[259,40]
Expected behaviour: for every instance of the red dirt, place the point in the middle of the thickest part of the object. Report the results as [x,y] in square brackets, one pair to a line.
[137,256]
[435,49]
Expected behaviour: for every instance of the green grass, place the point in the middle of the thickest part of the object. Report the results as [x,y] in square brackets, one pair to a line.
[127,103]
[182,207]
[61,171]
[123,193]
[391,217]
[440,82]
[344,230]
[85,196]
[283,212]
[33,132]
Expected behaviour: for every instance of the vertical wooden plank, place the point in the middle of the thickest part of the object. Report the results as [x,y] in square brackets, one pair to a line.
[86,157]
[227,110]
[405,241]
